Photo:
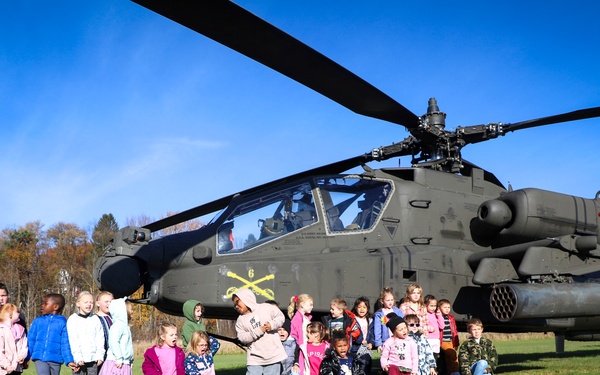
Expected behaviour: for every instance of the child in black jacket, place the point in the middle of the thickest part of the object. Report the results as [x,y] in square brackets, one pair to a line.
[340,361]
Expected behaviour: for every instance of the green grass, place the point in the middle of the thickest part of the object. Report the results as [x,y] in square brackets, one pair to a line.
[521,357]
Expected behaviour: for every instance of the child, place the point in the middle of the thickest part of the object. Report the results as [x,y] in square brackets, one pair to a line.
[18,332]
[477,355]
[192,311]
[338,361]
[380,332]
[86,335]
[103,300]
[364,318]
[299,312]
[48,339]
[314,350]
[436,324]
[120,349]
[399,354]
[165,357]
[427,365]
[289,345]
[257,327]
[414,304]
[340,319]
[200,352]
[449,339]
[8,348]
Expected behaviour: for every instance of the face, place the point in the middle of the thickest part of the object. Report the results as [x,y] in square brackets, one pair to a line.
[432,306]
[415,295]
[445,309]
[362,310]
[202,347]
[48,306]
[103,303]
[85,304]
[3,297]
[336,312]
[239,306]
[341,348]
[413,326]
[306,306]
[476,331]
[15,317]
[401,331]
[198,312]
[283,334]
[170,337]
[313,337]
[388,301]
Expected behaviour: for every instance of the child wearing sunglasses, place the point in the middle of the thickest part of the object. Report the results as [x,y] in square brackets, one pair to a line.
[427,364]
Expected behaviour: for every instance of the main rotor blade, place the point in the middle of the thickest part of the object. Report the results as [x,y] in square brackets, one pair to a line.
[581,114]
[333,168]
[242,31]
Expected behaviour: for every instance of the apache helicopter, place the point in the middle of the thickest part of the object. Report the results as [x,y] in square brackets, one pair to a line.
[521,260]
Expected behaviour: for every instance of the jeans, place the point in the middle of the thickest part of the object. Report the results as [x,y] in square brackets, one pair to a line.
[274,369]
[47,368]
[479,367]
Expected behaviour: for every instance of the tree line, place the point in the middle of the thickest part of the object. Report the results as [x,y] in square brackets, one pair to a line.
[35,261]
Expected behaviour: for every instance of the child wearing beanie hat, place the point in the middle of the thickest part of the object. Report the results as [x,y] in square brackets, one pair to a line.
[399,354]
[289,344]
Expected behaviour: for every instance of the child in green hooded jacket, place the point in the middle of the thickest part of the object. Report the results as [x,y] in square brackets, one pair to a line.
[193,311]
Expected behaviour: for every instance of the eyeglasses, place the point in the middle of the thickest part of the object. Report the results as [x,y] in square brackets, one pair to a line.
[414,324]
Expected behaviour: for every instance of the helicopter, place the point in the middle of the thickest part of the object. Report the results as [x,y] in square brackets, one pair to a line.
[521,260]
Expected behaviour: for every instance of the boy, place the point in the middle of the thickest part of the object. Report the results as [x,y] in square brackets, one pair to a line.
[193,311]
[48,340]
[341,319]
[257,327]
[477,355]
[338,361]
[399,354]
[289,345]
[427,365]
[448,339]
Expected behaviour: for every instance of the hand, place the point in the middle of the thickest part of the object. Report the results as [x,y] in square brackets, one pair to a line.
[369,346]
[118,365]
[99,362]
[9,369]
[386,368]
[266,327]
[379,348]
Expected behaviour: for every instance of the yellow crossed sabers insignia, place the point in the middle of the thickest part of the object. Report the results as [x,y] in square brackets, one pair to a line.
[267,293]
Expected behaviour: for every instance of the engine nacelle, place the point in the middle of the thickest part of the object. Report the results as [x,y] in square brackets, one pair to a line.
[531,214]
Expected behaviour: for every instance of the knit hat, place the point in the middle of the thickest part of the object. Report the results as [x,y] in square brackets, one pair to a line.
[393,320]
[287,325]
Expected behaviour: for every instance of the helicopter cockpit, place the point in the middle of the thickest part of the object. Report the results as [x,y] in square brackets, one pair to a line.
[351,200]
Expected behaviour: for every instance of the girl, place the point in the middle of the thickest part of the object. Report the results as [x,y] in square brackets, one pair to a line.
[380,330]
[19,335]
[364,318]
[436,324]
[299,312]
[314,349]
[399,353]
[200,352]
[414,304]
[86,336]
[165,357]
[119,356]
[8,348]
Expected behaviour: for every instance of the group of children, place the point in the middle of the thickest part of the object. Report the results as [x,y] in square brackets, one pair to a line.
[417,337]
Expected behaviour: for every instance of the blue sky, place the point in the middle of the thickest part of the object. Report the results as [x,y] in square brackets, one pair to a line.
[106,107]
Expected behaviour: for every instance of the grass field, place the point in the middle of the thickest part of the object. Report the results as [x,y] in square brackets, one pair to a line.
[522,357]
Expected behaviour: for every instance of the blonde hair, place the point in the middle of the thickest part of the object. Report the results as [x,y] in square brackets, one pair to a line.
[473,322]
[385,291]
[162,330]
[83,294]
[410,289]
[8,308]
[195,340]
[339,303]
[295,301]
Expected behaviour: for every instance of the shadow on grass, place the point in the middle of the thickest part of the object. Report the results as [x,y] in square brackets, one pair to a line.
[514,362]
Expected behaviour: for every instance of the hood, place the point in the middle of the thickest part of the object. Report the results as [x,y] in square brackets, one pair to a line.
[118,310]
[248,297]
[188,309]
